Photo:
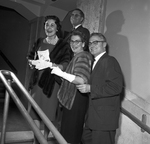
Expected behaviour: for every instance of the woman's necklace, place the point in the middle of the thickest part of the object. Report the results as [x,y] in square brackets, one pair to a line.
[52,41]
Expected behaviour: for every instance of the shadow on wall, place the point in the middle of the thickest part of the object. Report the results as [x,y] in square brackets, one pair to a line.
[119,48]
[118,44]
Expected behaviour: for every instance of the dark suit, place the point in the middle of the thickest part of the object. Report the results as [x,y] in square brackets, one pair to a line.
[104,107]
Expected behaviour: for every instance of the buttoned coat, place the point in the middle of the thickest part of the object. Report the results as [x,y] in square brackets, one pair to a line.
[106,86]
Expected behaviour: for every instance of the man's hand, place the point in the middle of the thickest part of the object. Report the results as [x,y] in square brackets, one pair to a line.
[84,88]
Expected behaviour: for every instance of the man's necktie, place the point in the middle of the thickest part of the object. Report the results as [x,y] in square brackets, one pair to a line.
[94,63]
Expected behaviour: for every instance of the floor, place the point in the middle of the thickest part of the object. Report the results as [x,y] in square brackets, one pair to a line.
[15,120]
[17,129]
[21,137]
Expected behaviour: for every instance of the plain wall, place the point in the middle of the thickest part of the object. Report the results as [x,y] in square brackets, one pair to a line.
[127,28]
[14,32]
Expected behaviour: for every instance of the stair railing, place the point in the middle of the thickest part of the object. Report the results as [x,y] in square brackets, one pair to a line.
[5,114]
[142,125]
[35,129]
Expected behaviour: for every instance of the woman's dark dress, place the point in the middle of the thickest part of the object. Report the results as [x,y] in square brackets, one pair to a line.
[44,85]
[73,120]
[48,105]
[75,104]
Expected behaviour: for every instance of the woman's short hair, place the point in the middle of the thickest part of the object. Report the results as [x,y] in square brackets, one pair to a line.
[55,18]
[78,33]
[57,22]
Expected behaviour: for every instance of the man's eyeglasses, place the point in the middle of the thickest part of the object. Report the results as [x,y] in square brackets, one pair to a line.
[94,42]
[75,42]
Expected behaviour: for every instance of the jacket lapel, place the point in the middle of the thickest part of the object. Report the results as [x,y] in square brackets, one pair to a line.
[97,64]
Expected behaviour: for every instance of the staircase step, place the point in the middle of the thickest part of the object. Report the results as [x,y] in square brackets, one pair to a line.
[25,137]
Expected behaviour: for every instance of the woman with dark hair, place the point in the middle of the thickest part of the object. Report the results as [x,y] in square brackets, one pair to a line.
[44,85]
[74,103]
[57,22]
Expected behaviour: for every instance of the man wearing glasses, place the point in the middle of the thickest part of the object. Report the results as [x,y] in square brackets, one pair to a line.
[105,88]
[77,19]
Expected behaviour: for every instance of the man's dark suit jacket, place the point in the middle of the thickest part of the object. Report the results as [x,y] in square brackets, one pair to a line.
[106,86]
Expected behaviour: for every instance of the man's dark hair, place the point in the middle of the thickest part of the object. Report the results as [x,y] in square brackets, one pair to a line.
[99,35]
[81,12]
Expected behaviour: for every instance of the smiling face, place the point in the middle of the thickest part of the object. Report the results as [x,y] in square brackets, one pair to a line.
[76,18]
[50,27]
[76,44]
[96,45]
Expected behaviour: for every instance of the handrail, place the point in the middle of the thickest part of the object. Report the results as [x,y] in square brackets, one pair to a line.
[8,62]
[24,112]
[6,107]
[22,109]
[136,120]
[47,122]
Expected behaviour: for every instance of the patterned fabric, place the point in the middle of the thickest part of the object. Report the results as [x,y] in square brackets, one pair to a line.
[80,65]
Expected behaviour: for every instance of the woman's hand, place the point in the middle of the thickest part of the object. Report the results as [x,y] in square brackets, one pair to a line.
[42,64]
[30,64]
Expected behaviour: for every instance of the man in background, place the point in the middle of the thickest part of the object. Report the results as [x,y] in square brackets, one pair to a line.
[77,18]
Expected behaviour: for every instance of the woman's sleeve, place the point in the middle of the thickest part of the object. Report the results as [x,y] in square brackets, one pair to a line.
[82,68]
[32,54]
